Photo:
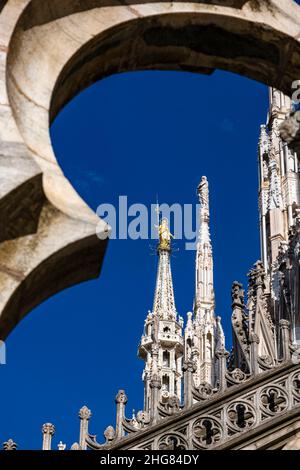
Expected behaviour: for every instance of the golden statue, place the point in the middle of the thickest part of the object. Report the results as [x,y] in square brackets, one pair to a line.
[164,235]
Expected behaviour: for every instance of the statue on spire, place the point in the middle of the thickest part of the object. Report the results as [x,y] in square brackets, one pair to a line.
[164,235]
[203,192]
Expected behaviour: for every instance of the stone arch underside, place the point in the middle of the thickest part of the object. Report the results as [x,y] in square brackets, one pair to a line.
[49,52]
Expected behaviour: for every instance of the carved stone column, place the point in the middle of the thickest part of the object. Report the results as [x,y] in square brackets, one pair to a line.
[254,342]
[285,339]
[121,400]
[48,430]
[84,416]
[189,367]
[155,386]
[222,356]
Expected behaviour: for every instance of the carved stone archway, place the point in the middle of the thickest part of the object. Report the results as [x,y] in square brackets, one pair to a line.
[50,51]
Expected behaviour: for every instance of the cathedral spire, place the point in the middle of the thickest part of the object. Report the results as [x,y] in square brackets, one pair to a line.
[164,301]
[205,335]
[161,346]
[204,295]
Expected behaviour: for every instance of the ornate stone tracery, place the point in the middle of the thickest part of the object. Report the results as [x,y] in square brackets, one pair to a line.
[172,442]
[207,432]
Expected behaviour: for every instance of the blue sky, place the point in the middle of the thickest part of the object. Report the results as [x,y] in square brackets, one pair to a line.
[135,134]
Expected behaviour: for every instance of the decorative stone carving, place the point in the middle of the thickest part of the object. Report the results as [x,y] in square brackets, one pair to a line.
[61,446]
[254,338]
[273,400]
[75,446]
[48,428]
[189,366]
[170,407]
[172,442]
[109,434]
[237,376]
[84,416]
[266,362]
[143,418]
[241,415]
[290,131]
[203,192]
[239,357]
[121,397]
[10,445]
[295,383]
[203,392]
[137,422]
[207,431]
[85,413]
[237,294]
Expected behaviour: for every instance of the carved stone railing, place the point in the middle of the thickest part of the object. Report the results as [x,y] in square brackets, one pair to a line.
[224,418]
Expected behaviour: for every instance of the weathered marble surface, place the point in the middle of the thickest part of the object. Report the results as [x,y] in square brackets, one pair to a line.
[51,50]
[290,131]
[294,443]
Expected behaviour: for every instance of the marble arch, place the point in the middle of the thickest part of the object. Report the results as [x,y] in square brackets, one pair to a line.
[50,51]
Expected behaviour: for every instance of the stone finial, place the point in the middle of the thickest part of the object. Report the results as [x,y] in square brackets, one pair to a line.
[143,418]
[61,446]
[121,397]
[85,413]
[10,445]
[84,416]
[75,446]
[121,400]
[109,434]
[48,428]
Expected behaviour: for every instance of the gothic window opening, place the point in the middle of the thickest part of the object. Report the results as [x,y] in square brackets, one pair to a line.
[209,346]
[208,431]
[166,383]
[166,359]
[241,421]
